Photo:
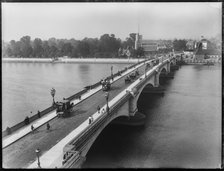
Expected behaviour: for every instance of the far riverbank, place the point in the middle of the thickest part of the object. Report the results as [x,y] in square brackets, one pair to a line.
[74,60]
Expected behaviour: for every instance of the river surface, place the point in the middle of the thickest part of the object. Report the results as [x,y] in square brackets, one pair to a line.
[182,128]
[26,86]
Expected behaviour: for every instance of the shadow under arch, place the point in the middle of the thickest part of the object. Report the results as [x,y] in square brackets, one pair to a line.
[109,142]
[162,76]
[145,99]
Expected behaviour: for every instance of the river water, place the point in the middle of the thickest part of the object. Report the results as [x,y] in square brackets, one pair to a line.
[26,86]
[182,128]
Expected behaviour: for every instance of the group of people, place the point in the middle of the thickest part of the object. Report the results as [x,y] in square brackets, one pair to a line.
[98,110]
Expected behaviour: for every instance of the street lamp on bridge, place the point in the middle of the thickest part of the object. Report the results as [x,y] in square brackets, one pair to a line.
[53,91]
[111,72]
[38,157]
[107,98]
[145,70]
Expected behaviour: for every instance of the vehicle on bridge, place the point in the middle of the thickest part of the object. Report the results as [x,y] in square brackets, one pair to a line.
[106,85]
[127,79]
[132,75]
[64,108]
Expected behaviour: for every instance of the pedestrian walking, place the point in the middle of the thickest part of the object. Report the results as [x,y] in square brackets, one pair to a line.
[90,120]
[32,128]
[48,126]
[103,110]
[79,97]
[27,120]
[98,109]
[38,114]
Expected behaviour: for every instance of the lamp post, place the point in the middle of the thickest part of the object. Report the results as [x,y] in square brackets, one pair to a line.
[38,157]
[111,72]
[145,70]
[53,91]
[107,98]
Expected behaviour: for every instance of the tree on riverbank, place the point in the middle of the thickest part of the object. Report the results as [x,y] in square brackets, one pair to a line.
[106,46]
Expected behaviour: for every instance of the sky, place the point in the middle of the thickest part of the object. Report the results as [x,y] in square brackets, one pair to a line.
[79,20]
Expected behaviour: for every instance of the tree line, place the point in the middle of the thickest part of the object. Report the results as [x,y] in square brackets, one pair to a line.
[106,46]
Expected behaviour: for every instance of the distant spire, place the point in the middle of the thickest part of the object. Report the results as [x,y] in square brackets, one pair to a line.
[138,28]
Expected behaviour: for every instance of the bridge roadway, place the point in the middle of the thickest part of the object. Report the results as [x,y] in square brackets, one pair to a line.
[22,153]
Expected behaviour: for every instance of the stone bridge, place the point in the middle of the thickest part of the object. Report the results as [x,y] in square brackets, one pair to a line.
[122,109]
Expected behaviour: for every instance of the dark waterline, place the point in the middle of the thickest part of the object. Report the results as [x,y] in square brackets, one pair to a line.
[182,130]
[26,86]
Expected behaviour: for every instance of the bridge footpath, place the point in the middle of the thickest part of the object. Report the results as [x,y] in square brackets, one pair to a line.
[81,133]
[22,153]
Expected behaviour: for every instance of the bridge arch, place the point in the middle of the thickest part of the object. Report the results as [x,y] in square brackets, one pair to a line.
[127,108]
[121,112]
[153,81]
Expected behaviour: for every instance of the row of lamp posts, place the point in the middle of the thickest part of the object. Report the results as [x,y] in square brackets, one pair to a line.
[53,91]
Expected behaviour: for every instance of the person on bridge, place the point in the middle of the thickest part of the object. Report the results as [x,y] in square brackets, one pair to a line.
[98,109]
[32,128]
[103,110]
[38,114]
[90,120]
[27,120]
[48,126]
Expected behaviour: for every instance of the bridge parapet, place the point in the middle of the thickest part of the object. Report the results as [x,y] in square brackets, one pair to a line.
[124,101]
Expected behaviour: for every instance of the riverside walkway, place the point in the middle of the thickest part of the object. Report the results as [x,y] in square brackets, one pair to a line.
[22,153]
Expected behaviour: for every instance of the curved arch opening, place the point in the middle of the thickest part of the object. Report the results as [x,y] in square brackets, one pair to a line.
[162,77]
[109,144]
[144,98]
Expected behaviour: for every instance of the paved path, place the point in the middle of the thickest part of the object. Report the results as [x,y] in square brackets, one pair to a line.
[21,153]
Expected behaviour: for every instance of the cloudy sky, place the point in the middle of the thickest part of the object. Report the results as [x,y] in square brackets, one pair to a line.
[80,20]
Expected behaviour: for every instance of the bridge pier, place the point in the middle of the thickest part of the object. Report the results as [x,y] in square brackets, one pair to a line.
[174,67]
[167,76]
[153,90]
[137,120]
